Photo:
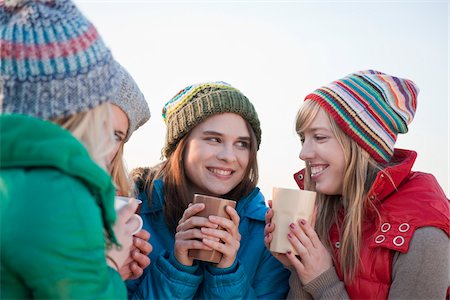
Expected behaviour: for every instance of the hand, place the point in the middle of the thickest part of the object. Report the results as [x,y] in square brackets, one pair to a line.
[123,228]
[138,260]
[314,257]
[268,229]
[225,240]
[189,235]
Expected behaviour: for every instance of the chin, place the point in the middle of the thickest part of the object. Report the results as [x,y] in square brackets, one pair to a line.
[328,191]
[218,192]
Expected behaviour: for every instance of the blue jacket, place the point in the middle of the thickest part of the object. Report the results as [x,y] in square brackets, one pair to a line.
[255,273]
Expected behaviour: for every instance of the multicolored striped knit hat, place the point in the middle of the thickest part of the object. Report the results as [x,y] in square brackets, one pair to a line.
[53,61]
[197,102]
[371,107]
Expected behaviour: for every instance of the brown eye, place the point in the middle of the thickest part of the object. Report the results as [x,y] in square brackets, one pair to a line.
[243,144]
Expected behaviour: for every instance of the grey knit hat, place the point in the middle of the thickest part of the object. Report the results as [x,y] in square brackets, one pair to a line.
[196,103]
[53,61]
[131,100]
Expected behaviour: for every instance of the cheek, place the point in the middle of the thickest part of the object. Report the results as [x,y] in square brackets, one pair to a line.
[244,159]
[113,152]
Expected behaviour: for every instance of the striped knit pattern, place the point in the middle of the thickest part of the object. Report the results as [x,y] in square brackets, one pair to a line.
[196,103]
[371,107]
[53,61]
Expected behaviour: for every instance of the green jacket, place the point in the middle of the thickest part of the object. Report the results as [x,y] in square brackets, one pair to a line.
[56,205]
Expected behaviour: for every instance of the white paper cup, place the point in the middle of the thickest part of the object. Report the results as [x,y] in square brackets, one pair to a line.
[289,206]
[120,202]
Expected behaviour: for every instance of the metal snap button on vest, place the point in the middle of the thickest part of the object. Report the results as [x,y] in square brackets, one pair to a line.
[380,238]
[300,176]
[404,227]
[398,241]
[385,227]
[337,245]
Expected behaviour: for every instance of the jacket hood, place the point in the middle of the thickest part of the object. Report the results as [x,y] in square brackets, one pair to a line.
[28,142]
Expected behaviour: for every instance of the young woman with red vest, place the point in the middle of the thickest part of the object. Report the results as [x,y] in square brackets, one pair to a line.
[381,230]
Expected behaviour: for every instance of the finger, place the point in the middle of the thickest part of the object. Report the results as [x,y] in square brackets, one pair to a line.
[225,249]
[125,272]
[142,245]
[301,235]
[311,233]
[233,214]
[143,234]
[136,270]
[191,234]
[268,240]
[269,228]
[298,246]
[227,224]
[269,202]
[192,210]
[142,260]
[299,267]
[195,221]
[269,215]
[222,235]
[192,244]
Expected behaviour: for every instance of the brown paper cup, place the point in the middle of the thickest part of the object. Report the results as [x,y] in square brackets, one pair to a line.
[288,207]
[213,206]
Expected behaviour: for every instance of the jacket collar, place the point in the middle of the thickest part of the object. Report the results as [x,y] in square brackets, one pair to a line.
[391,177]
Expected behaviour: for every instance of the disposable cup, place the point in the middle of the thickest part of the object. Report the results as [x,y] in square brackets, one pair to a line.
[289,206]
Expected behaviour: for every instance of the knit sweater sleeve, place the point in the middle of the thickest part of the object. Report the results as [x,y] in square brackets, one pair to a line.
[422,272]
[327,286]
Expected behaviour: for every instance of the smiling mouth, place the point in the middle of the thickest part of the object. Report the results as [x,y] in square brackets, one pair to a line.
[317,170]
[220,171]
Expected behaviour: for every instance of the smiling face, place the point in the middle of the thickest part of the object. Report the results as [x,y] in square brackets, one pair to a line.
[323,153]
[217,154]
[120,126]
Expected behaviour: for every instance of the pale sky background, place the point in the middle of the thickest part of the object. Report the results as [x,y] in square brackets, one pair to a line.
[276,52]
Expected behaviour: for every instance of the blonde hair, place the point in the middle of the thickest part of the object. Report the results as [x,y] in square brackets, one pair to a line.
[119,174]
[94,129]
[359,175]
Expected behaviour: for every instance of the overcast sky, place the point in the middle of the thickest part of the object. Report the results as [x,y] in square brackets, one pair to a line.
[276,52]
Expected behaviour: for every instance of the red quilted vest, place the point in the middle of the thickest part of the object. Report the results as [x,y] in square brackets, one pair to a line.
[419,201]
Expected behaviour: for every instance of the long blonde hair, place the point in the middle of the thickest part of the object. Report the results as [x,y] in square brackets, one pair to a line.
[94,129]
[359,175]
[119,174]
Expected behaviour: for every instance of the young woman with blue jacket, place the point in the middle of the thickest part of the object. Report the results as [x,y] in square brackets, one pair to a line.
[213,134]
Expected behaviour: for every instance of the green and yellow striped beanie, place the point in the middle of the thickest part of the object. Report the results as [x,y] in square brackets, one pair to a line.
[197,102]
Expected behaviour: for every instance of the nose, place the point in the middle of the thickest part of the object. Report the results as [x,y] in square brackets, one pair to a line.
[307,151]
[226,153]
